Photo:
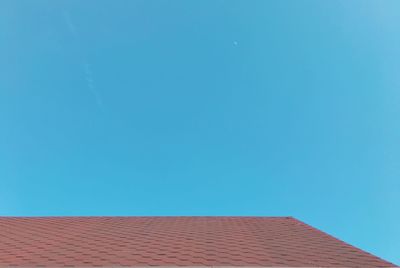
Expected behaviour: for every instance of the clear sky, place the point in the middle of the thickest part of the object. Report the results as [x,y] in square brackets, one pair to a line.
[205,108]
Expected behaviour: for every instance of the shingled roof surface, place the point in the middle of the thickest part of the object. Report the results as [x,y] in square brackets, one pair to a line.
[173,241]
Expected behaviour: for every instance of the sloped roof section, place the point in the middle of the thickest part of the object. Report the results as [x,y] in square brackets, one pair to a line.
[173,241]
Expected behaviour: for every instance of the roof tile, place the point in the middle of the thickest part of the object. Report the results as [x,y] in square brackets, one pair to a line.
[173,241]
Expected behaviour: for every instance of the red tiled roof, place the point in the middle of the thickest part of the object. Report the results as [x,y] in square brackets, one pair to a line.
[173,241]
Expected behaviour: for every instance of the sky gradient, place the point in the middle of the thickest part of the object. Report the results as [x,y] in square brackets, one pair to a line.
[261,108]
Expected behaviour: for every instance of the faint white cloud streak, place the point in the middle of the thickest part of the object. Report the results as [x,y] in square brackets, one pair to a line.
[87,69]
[90,83]
[70,25]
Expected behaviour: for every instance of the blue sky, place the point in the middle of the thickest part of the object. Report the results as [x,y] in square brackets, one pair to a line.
[205,108]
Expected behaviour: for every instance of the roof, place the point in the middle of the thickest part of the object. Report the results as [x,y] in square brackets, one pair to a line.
[173,241]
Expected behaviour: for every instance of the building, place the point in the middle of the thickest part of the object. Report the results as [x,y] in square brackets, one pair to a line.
[173,241]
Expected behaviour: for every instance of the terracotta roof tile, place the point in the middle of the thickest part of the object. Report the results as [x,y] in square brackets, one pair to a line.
[173,241]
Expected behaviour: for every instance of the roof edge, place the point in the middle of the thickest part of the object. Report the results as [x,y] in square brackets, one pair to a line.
[205,266]
[344,242]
